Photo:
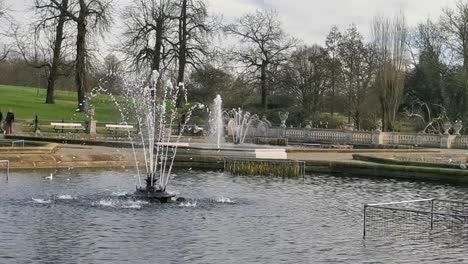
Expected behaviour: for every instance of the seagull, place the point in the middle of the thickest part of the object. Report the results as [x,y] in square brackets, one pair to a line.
[462,166]
[50,177]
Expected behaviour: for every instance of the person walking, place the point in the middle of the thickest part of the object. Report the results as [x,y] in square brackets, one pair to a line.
[9,119]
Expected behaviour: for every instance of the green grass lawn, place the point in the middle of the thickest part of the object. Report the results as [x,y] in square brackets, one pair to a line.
[26,102]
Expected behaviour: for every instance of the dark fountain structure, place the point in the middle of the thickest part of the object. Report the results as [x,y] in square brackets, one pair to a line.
[152,102]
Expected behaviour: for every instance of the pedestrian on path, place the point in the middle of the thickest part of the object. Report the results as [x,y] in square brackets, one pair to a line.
[9,119]
[1,119]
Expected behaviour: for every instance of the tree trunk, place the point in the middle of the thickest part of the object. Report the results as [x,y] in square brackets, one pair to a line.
[465,88]
[182,48]
[156,65]
[333,84]
[305,105]
[357,120]
[263,85]
[350,105]
[80,74]
[56,60]
[384,115]
[391,121]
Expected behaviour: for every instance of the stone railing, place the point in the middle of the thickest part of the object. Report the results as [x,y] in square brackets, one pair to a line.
[321,135]
[367,137]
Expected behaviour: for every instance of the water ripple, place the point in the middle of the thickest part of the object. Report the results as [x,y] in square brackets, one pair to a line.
[92,218]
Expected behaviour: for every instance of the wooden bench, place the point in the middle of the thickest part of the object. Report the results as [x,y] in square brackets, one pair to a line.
[120,128]
[67,126]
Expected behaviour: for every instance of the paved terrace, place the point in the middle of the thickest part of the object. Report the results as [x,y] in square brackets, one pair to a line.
[70,155]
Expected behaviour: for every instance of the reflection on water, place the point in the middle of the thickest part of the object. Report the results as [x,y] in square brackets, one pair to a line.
[88,217]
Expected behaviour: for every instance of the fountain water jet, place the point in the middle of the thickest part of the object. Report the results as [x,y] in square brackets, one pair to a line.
[152,102]
[216,122]
[239,124]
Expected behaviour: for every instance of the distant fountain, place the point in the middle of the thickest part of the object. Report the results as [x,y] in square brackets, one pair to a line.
[240,124]
[216,122]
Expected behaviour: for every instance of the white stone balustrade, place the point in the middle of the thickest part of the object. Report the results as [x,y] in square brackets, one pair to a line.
[368,138]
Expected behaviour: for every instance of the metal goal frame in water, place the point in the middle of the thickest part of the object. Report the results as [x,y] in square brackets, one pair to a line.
[414,217]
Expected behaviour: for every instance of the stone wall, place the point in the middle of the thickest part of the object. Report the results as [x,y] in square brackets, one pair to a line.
[331,136]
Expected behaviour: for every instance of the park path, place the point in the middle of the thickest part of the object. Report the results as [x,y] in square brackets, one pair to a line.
[68,155]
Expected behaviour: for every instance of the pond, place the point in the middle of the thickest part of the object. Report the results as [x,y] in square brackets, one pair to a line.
[83,217]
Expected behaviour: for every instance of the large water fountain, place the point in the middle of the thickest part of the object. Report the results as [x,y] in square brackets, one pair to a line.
[152,102]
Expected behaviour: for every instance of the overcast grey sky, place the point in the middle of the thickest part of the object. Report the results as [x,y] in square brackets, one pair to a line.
[310,20]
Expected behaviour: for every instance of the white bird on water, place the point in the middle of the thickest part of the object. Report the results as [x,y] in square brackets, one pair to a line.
[50,177]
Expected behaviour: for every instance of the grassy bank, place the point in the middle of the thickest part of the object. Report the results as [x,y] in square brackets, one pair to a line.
[27,102]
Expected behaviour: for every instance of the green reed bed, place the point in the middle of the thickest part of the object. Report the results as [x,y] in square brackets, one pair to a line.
[287,168]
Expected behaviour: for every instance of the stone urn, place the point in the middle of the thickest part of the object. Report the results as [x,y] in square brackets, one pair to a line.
[378,125]
[266,121]
[262,129]
[457,127]
[349,127]
[283,117]
[309,125]
[446,127]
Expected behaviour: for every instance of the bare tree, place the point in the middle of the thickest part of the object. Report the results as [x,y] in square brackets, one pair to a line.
[307,78]
[389,44]
[454,23]
[191,47]
[428,37]
[5,19]
[109,75]
[52,18]
[168,33]
[333,64]
[148,26]
[90,16]
[427,80]
[263,45]
[358,69]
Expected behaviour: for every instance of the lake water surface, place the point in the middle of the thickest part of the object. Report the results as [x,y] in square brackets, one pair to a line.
[83,217]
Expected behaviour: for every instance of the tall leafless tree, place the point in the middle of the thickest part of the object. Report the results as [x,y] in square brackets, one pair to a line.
[263,45]
[148,25]
[431,61]
[358,67]
[52,17]
[167,34]
[307,78]
[194,28]
[389,44]
[6,24]
[2,8]
[90,16]
[454,23]
[333,64]
[109,75]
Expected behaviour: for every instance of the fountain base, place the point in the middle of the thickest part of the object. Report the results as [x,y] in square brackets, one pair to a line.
[153,195]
